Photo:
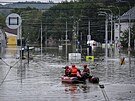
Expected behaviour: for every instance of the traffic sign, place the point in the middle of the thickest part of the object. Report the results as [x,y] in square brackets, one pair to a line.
[13,21]
[90,58]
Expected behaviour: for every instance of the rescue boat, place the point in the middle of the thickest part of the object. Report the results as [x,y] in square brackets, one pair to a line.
[91,79]
[67,79]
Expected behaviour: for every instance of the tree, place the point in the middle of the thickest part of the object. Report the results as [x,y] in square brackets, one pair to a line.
[124,38]
[54,19]
[80,11]
[2,20]
[31,23]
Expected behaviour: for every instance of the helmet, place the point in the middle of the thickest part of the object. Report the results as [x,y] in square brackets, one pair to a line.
[66,67]
[85,65]
[73,65]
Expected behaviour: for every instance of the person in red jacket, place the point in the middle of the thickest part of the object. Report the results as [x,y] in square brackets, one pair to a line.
[86,70]
[67,71]
[75,71]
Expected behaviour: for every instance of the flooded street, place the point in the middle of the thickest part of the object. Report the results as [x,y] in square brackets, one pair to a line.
[40,80]
[40,39]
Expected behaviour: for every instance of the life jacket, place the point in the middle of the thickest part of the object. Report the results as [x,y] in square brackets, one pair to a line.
[86,70]
[67,71]
[74,71]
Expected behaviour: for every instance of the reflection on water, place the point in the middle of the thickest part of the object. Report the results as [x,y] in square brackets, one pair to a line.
[2,50]
[71,88]
[80,88]
[10,52]
[76,88]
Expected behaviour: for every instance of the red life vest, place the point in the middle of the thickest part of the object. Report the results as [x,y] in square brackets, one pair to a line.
[74,71]
[86,70]
[67,71]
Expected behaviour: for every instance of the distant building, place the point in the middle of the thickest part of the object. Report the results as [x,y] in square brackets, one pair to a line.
[11,40]
[124,23]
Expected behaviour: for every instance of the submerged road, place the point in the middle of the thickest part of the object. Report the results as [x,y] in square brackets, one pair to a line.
[41,81]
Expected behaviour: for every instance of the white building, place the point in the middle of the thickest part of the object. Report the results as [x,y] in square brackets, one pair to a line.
[124,23]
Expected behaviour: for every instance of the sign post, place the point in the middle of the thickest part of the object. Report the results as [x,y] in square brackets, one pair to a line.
[13,21]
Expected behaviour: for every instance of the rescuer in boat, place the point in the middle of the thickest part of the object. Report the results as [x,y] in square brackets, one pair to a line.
[67,71]
[75,72]
[86,71]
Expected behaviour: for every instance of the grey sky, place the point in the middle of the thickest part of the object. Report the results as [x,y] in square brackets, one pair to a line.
[31,0]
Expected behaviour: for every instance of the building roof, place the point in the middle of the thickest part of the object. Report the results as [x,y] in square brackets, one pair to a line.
[10,34]
[125,16]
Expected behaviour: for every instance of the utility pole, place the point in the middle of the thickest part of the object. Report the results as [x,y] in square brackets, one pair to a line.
[66,41]
[41,40]
[106,33]
[111,22]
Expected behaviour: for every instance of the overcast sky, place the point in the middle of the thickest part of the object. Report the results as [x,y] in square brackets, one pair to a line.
[31,0]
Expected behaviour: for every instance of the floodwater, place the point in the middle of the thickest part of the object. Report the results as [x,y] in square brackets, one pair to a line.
[40,80]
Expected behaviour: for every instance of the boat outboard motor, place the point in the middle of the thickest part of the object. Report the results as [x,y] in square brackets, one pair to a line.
[93,79]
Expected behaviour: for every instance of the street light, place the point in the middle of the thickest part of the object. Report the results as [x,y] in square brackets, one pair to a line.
[89,47]
[41,32]
[66,41]
[117,38]
[66,36]
[118,20]
[111,22]
[89,36]
[106,34]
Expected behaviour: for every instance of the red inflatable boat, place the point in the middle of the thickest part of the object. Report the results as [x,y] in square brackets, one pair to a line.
[67,79]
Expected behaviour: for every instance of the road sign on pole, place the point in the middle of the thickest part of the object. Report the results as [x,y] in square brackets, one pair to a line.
[13,21]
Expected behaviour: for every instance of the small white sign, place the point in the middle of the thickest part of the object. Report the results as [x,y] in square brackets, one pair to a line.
[74,57]
[13,21]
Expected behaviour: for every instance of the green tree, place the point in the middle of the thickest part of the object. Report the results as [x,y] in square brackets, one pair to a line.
[125,37]
[31,23]
[2,20]
[81,11]
[54,20]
